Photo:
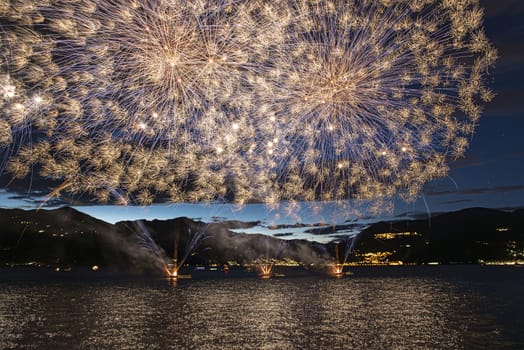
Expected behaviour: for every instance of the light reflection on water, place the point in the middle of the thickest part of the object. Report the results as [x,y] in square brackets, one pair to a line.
[374,311]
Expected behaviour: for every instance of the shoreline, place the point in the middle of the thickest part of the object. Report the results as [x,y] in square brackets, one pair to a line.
[82,274]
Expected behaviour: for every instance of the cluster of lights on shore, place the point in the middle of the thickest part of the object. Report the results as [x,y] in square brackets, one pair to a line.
[267,101]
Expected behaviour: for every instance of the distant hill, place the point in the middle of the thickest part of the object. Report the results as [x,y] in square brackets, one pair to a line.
[466,236]
[221,245]
[64,237]
[67,237]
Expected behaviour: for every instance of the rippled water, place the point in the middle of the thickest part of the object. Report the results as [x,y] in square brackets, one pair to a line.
[376,308]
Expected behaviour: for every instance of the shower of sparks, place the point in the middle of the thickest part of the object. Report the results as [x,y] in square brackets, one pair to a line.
[191,101]
[265,269]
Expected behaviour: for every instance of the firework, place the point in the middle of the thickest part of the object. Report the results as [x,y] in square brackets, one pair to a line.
[338,267]
[265,270]
[193,241]
[25,66]
[190,101]
[139,99]
[157,71]
[372,97]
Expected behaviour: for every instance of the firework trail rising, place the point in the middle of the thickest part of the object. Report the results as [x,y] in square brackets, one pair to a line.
[245,100]
[193,241]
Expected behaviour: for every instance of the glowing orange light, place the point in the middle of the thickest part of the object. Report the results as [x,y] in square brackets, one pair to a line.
[338,270]
[265,270]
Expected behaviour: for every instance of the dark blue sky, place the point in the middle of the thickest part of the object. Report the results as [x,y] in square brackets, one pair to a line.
[492,172]
[490,175]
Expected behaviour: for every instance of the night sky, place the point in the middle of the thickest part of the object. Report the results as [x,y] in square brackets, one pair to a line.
[490,175]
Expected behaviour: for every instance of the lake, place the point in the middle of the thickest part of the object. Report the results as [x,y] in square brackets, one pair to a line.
[425,307]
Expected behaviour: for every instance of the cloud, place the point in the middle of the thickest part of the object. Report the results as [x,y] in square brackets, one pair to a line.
[457,201]
[468,161]
[328,230]
[285,234]
[475,191]
[38,201]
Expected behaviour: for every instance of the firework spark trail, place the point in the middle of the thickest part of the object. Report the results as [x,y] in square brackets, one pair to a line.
[266,263]
[190,101]
[350,245]
[148,242]
[194,240]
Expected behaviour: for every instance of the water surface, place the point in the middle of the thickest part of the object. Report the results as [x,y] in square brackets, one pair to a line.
[447,307]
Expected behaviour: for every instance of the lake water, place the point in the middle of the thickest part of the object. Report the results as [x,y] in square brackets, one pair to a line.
[444,307]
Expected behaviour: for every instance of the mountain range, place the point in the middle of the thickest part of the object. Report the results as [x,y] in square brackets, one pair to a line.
[67,237]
